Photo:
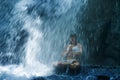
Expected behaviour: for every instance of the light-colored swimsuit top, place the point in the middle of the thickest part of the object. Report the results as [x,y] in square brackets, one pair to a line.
[75,48]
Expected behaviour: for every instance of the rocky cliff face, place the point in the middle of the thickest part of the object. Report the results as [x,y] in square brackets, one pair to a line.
[99,28]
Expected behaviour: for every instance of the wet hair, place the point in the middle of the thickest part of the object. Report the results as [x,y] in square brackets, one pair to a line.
[73,36]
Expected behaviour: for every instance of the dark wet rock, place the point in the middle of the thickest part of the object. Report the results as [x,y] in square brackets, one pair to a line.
[70,69]
[102,77]
[39,78]
[91,78]
[59,77]
[99,28]
[53,77]
[116,78]
[78,77]
[97,74]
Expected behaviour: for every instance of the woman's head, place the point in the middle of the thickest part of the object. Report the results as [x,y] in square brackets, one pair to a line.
[73,39]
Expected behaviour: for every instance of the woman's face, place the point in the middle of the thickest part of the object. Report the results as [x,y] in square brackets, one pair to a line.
[73,40]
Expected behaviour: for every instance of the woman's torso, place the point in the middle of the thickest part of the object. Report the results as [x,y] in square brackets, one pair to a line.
[75,49]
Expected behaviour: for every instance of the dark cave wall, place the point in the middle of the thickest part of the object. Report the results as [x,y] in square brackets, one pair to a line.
[99,28]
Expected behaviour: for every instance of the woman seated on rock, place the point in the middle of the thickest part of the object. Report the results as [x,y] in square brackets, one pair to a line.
[72,53]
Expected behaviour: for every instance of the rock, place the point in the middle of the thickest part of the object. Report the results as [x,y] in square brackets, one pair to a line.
[99,77]
[39,78]
[91,78]
[102,77]
[99,30]
[64,68]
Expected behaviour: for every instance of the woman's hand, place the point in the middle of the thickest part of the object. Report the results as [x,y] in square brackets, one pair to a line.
[70,54]
[70,48]
[77,55]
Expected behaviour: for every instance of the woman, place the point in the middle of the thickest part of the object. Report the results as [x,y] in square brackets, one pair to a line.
[71,57]
[73,51]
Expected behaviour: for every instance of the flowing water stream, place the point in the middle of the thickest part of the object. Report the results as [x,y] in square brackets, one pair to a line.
[34,33]
[37,33]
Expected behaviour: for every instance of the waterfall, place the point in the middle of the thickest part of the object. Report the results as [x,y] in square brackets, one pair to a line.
[48,24]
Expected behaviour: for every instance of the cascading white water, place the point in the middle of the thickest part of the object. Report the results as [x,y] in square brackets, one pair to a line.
[44,46]
[33,48]
[33,34]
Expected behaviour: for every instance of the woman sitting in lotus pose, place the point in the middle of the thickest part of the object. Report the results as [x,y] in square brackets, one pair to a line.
[71,55]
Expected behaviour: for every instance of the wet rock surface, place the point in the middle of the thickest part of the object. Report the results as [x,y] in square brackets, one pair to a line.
[87,74]
[99,28]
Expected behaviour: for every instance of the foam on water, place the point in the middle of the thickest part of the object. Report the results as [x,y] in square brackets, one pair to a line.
[22,71]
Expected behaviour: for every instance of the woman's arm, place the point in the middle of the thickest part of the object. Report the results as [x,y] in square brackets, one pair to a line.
[68,51]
